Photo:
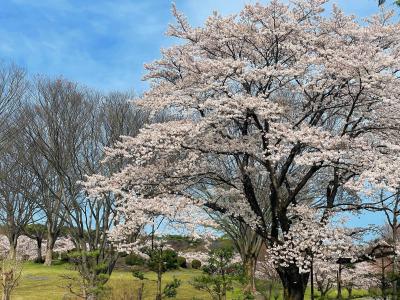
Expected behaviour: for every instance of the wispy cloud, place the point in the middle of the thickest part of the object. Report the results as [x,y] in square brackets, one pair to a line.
[103,43]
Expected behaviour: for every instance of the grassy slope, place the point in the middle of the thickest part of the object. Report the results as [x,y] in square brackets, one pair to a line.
[41,282]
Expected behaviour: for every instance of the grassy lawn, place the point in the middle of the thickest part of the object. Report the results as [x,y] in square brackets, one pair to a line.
[39,282]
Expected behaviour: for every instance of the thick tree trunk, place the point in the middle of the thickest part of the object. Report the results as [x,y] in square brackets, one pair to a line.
[49,257]
[49,249]
[12,254]
[8,278]
[89,289]
[294,283]
[6,295]
[249,266]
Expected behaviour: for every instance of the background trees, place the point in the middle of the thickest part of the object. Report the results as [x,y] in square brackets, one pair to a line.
[18,192]
[13,90]
[55,133]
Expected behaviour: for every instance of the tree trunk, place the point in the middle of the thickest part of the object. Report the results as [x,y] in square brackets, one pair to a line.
[8,278]
[312,278]
[39,257]
[249,266]
[339,282]
[89,290]
[12,254]
[140,291]
[383,280]
[350,291]
[6,295]
[49,249]
[294,283]
[159,278]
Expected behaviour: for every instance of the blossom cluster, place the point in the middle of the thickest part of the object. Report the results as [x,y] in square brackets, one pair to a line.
[28,248]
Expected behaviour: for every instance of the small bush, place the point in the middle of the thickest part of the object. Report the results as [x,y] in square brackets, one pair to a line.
[138,274]
[170,290]
[170,258]
[182,262]
[134,260]
[196,264]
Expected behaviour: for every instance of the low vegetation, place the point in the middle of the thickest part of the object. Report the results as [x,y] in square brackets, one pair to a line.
[38,280]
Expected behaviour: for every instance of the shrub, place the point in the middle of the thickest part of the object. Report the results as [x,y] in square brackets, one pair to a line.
[182,262]
[170,258]
[196,264]
[138,274]
[134,260]
[170,290]
[218,274]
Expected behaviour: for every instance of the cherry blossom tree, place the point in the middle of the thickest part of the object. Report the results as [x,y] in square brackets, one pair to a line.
[198,255]
[362,276]
[306,100]
[325,276]
[246,240]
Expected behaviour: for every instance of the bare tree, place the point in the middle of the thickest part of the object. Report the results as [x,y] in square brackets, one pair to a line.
[17,192]
[55,131]
[91,219]
[13,87]
[69,128]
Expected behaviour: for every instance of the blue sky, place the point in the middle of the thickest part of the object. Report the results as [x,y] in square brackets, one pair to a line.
[103,43]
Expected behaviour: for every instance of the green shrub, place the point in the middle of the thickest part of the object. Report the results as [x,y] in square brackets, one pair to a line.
[134,260]
[182,262]
[170,290]
[170,258]
[138,274]
[196,264]
[218,275]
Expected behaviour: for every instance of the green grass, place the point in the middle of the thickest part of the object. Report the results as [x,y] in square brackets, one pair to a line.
[39,282]
[261,286]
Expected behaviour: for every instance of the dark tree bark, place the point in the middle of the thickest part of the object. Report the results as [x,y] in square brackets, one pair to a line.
[294,283]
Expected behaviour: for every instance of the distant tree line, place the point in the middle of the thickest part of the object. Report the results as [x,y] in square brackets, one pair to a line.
[53,133]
